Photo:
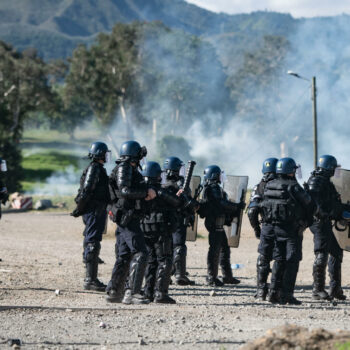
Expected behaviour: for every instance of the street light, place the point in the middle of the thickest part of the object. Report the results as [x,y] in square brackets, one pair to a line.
[314,109]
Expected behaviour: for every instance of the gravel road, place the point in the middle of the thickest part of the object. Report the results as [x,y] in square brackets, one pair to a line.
[41,253]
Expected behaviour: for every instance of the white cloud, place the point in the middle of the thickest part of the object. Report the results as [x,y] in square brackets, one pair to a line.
[297,8]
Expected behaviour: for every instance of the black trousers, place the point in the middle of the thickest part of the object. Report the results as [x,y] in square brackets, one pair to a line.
[159,262]
[283,244]
[130,242]
[218,253]
[94,227]
[326,243]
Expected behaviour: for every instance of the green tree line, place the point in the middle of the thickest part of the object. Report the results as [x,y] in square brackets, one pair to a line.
[141,73]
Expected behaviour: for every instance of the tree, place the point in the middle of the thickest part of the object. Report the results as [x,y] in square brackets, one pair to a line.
[24,88]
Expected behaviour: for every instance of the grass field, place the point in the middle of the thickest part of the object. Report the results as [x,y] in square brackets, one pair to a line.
[50,161]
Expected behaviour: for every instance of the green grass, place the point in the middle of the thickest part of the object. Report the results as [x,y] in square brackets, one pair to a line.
[345,346]
[38,167]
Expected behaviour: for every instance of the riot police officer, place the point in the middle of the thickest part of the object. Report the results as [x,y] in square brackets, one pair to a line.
[174,181]
[330,208]
[157,226]
[216,209]
[3,189]
[263,261]
[92,200]
[128,192]
[285,206]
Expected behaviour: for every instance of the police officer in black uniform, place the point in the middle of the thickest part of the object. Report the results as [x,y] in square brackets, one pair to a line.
[330,208]
[128,192]
[92,200]
[216,209]
[173,182]
[254,210]
[158,225]
[285,206]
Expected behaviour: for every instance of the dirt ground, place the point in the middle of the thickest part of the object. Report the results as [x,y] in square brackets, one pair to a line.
[41,253]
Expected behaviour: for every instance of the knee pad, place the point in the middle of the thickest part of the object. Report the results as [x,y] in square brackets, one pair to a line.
[321,259]
[263,260]
[180,250]
[92,250]
[140,258]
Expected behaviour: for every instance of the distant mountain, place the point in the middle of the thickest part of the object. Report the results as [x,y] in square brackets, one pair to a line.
[55,27]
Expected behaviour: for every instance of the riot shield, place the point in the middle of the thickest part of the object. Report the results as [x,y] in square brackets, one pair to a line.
[342,185]
[236,189]
[191,233]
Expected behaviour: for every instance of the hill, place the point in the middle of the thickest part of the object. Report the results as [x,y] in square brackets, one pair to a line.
[55,27]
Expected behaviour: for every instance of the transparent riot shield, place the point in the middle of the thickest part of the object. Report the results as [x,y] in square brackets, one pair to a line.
[341,230]
[191,234]
[236,189]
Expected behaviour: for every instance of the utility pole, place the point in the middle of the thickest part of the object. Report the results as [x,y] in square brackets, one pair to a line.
[314,112]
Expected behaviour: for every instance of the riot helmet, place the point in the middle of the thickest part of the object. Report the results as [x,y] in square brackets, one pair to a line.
[286,166]
[152,172]
[99,151]
[173,167]
[132,150]
[327,164]
[269,165]
[3,165]
[212,173]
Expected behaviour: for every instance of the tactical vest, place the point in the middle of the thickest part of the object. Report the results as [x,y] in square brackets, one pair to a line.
[278,205]
[215,217]
[160,218]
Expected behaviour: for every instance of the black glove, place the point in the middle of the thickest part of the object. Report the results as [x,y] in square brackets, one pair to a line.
[76,213]
[257,232]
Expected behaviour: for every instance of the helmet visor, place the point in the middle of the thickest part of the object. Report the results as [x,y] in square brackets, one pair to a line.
[182,171]
[223,177]
[3,166]
[108,157]
[299,172]
[337,171]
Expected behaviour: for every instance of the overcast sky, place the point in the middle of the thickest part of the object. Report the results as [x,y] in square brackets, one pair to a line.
[297,8]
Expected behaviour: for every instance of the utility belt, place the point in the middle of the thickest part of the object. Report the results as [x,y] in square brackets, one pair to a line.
[123,216]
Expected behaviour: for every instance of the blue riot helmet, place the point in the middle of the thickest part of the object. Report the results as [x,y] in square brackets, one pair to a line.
[132,150]
[286,166]
[212,173]
[152,172]
[173,166]
[99,151]
[269,165]
[327,164]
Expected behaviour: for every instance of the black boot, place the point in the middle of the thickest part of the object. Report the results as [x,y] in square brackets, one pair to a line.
[163,278]
[116,286]
[288,284]
[262,271]
[136,274]
[335,289]
[213,266]
[319,275]
[274,295]
[91,281]
[227,277]
[180,253]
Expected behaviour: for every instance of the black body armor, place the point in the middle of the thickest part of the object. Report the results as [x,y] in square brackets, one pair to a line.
[161,213]
[323,192]
[127,190]
[93,191]
[286,202]
[217,207]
